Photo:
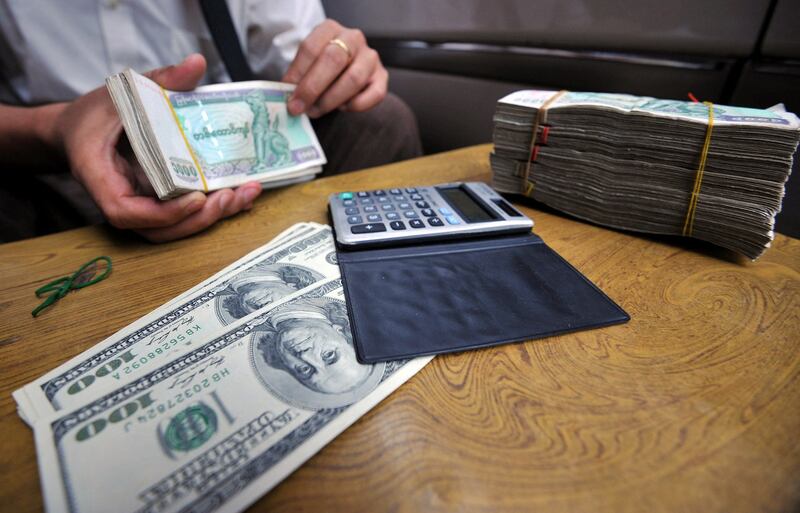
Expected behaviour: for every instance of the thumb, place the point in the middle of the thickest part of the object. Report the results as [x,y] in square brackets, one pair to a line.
[180,77]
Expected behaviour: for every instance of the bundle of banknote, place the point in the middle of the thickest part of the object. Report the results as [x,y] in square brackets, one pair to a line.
[649,165]
[216,136]
[211,400]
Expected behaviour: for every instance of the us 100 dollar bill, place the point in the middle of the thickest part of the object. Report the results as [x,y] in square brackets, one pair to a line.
[220,425]
[215,136]
[257,280]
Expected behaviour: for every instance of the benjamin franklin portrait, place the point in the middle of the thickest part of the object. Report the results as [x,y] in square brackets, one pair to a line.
[260,286]
[304,352]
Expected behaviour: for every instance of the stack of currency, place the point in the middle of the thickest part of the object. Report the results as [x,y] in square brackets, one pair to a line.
[216,136]
[211,400]
[632,162]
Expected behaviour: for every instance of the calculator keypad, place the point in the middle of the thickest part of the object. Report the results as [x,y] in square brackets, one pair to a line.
[371,211]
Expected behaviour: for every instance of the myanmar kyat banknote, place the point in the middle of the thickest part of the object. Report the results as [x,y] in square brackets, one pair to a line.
[215,136]
[304,256]
[223,423]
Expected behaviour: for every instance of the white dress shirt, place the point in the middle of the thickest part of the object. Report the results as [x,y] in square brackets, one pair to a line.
[56,50]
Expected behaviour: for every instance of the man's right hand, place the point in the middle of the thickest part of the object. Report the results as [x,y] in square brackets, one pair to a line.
[89,130]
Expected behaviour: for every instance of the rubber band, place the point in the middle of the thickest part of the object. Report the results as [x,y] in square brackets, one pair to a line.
[688,224]
[541,118]
[59,288]
[185,140]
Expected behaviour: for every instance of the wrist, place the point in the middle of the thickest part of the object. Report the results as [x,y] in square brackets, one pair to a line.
[46,127]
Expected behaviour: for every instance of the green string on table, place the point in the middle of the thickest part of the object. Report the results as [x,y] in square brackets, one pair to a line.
[57,289]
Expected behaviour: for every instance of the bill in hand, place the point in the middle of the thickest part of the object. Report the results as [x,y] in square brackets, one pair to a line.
[215,136]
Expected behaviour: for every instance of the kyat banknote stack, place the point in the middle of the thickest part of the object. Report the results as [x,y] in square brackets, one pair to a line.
[712,172]
[211,400]
[216,136]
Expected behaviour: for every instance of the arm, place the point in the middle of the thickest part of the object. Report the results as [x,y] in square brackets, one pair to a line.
[28,138]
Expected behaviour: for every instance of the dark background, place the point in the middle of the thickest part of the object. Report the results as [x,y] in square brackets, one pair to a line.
[451,60]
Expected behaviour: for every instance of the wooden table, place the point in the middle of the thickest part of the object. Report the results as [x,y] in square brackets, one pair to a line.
[694,405]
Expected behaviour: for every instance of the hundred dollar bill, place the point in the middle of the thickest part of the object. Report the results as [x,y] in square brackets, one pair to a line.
[220,425]
[255,281]
[215,136]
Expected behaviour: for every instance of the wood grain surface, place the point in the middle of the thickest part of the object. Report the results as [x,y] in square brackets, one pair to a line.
[694,405]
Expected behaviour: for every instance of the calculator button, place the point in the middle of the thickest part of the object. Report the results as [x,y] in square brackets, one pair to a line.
[422,204]
[370,208]
[410,214]
[397,225]
[362,194]
[348,203]
[416,197]
[366,201]
[445,211]
[428,212]
[435,221]
[404,206]
[351,211]
[384,199]
[410,190]
[399,197]
[374,218]
[452,220]
[354,220]
[387,206]
[392,216]
[395,191]
[416,223]
[368,228]
[379,193]
[346,195]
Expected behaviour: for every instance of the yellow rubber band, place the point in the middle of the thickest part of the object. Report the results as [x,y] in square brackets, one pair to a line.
[688,224]
[185,140]
[541,118]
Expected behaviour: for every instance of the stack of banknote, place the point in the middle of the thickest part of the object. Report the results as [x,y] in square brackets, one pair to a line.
[208,402]
[216,136]
[638,163]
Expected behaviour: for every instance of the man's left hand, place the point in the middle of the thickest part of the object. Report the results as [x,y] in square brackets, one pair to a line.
[346,75]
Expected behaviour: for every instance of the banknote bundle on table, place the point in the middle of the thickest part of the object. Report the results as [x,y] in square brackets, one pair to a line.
[215,136]
[712,172]
[208,402]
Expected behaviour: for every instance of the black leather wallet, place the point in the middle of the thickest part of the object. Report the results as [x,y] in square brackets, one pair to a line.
[451,296]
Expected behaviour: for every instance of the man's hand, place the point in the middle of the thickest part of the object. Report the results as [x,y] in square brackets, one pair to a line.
[328,77]
[89,130]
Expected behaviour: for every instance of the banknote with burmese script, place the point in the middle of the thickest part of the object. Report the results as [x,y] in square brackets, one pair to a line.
[215,136]
[264,276]
[220,425]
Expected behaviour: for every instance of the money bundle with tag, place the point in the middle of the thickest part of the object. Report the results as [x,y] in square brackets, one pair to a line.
[215,136]
[212,399]
[711,172]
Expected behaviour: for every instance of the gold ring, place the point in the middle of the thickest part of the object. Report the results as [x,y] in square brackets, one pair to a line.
[341,44]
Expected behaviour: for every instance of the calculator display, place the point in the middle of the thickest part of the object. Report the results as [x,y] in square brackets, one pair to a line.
[467,206]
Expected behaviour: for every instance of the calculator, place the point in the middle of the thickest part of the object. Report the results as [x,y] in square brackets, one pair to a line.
[408,215]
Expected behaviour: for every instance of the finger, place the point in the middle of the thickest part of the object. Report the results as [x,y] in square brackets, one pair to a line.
[310,48]
[248,193]
[373,94]
[349,84]
[212,211]
[331,62]
[180,77]
[220,204]
[137,212]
